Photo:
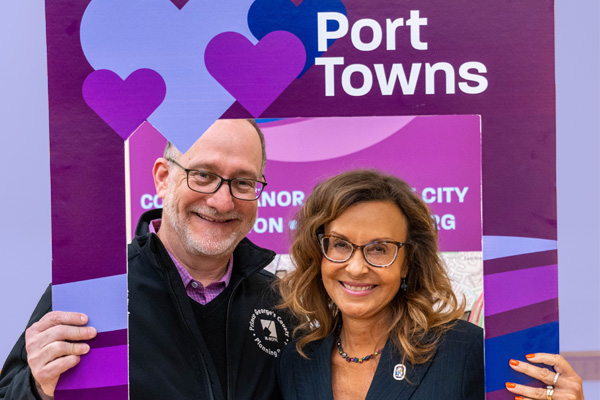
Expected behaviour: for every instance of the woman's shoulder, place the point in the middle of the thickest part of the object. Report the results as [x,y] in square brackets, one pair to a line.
[315,355]
[300,375]
[458,364]
[290,353]
[460,329]
[462,337]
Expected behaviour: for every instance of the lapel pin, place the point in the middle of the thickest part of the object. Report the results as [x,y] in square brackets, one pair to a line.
[399,372]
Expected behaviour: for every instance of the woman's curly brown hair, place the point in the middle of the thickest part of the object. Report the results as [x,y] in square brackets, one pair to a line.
[421,315]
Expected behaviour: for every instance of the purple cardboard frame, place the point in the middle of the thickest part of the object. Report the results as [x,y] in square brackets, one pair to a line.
[514,41]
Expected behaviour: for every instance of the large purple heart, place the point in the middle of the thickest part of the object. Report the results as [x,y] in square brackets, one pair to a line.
[124,104]
[255,75]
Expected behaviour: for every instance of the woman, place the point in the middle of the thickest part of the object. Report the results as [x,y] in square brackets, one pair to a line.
[382,317]
[377,315]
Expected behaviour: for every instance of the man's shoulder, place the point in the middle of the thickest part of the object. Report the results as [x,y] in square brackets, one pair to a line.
[145,260]
[248,248]
[250,259]
[266,276]
[139,250]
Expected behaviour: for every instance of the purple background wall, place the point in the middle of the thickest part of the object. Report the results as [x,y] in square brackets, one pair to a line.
[23,111]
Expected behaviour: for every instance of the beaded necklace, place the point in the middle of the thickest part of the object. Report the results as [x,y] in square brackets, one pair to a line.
[355,359]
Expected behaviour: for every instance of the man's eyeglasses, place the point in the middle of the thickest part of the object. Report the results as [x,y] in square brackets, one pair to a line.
[378,254]
[208,182]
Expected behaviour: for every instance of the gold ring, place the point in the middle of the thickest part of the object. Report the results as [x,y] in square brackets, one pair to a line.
[555,379]
[549,392]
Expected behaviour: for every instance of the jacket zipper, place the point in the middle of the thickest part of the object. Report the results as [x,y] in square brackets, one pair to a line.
[206,376]
[233,291]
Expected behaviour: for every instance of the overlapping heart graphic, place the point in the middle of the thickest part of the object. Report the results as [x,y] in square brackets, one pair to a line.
[206,53]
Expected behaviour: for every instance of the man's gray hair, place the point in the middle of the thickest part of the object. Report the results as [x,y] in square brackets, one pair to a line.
[171,152]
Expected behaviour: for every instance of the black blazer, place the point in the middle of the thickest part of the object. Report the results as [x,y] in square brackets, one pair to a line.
[454,373]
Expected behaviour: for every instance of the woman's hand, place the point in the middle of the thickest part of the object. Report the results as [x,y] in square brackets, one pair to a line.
[567,385]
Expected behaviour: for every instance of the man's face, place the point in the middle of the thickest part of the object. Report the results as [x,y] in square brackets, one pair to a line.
[212,224]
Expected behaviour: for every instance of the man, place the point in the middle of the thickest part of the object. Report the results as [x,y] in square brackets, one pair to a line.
[203,320]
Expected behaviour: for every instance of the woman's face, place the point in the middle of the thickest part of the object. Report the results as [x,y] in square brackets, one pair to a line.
[360,290]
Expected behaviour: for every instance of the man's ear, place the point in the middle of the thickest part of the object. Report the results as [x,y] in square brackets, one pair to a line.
[160,172]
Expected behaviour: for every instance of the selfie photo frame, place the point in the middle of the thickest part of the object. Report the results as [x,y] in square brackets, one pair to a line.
[114,66]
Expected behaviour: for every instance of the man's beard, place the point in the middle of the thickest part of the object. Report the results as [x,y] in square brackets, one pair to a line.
[211,243]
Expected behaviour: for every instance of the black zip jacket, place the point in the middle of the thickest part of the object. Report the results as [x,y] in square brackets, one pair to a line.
[168,358]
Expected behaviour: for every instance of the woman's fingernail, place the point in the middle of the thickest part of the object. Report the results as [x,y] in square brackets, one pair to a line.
[514,362]
[519,398]
[510,385]
[529,356]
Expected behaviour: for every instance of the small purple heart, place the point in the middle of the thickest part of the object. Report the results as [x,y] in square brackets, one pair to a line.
[124,104]
[179,3]
[255,75]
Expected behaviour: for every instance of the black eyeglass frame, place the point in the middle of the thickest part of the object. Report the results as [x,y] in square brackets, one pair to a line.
[398,245]
[187,180]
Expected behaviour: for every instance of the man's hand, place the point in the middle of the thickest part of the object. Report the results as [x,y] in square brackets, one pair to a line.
[50,350]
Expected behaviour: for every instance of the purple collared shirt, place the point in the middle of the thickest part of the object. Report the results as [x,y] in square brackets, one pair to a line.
[194,289]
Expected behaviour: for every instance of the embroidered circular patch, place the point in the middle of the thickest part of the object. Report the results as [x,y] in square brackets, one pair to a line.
[269,332]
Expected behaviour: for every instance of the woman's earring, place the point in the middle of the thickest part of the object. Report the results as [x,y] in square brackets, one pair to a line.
[403,284]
